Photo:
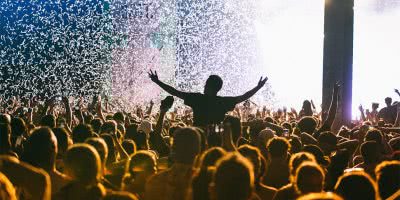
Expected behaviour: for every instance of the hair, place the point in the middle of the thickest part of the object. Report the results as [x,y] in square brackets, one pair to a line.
[82,163]
[278,147]
[5,142]
[141,161]
[388,178]
[141,140]
[41,148]
[82,132]
[96,125]
[339,162]
[7,190]
[120,195]
[318,154]
[18,127]
[321,196]
[307,124]
[211,156]
[327,137]
[374,135]
[233,178]
[254,156]
[119,116]
[388,100]
[297,159]
[356,185]
[110,127]
[304,182]
[5,118]
[214,82]
[186,145]
[49,121]
[63,140]
[129,146]
[131,131]
[112,156]
[370,152]
[101,147]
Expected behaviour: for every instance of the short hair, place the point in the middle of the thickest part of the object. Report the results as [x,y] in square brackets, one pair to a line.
[297,159]
[18,127]
[49,121]
[317,152]
[307,124]
[141,161]
[120,195]
[388,178]
[321,196]
[236,127]
[254,156]
[186,145]
[110,127]
[278,147]
[303,180]
[356,185]
[41,148]
[83,162]
[374,135]
[369,151]
[141,140]
[233,178]
[81,132]
[101,147]
[62,139]
[119,116]
[215,82]
[388,100]
[108,139]
[211,156]
[327,137]
[96,125]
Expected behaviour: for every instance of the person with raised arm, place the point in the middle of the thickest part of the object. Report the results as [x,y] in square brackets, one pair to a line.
[208,108]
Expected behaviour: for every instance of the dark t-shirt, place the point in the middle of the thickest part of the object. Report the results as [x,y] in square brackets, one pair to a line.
[209,109]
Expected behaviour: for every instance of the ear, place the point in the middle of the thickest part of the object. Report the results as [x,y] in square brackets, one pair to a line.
[212,191]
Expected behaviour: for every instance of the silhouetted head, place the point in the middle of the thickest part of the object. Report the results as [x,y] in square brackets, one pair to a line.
[307,124]
[101,147]
[41,149]
[49,121]
[388,101]
[213,85]
[142,162]
[254,156]
[211,156]
[356,185]
[388,176]
[236,127]
[129,146]
[370,152]
[233,178]
[278,147]
[309,178]
[63,140]
[82,132]
[186,145]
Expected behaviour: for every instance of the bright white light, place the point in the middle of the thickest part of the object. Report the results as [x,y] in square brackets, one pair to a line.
[291,38]
[376,52]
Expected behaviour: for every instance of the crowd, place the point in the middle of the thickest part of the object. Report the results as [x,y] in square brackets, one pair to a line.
[215,149]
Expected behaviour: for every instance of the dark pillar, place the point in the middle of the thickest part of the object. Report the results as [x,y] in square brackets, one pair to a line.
[338,57]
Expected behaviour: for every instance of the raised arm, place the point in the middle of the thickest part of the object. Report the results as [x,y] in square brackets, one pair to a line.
[253,91]
[397,92]
[333,107]
[171,90]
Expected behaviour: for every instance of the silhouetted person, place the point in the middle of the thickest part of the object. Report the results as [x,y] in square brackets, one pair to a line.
[277,174]
[208,108]
[388,113]
[356,185]
[388,178]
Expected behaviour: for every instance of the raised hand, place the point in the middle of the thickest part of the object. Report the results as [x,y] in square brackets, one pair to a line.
[153,75]
[361,108]
[262,82]
[397,91]
[336,86]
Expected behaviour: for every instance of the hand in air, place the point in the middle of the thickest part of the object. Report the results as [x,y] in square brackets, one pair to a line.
[262,82]
[396,90]
[153,75]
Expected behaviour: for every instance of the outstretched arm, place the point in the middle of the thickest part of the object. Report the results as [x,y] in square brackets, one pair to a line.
[253,91]
[333,107]
[397,91]
[174,92]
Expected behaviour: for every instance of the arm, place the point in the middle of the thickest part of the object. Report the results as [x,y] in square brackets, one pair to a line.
[397,123]
[227,142]
[156,139]
[397,91]
[148,112]
[362,113]
[174,92]
[333,107]
[68,111]
[253,91]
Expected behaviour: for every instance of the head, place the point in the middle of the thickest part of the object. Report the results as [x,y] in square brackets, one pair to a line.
[142,162]
[82,132]
[101,147]
[388,176]
[210,157]
[278,148]
[307,108]
[63,140]
[141,140]
[297,159]
[109,127]
[296,144]
[186,145]
[41,149]
[49,121]
[388,101]
[309,178]
[5,137]
[119,117]
[129,146]
[254,156]
[5,118]
[96,125]
[82,164]
[18,127]
[327,141]
[213,85]
[374,135]
[370,152]
[264,137]
[356,185]
[146,126]
[321,196]
[111,157]
[317,153]
[307,124]
[233,178]
[131,131]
